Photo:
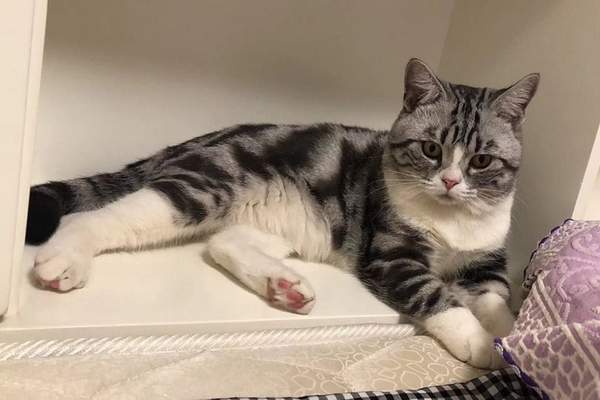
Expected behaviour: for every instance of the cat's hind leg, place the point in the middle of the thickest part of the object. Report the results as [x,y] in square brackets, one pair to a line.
[139,219]
[258,260]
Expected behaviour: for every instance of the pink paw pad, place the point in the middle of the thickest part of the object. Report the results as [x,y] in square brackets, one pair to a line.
[55,284]
[284,295]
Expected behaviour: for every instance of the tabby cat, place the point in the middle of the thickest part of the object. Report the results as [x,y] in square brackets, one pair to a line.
[418,213]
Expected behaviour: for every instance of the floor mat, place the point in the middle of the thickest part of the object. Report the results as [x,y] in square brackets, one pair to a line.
[270,363]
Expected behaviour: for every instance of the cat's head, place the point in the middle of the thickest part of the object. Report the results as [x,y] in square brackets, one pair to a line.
[456,144]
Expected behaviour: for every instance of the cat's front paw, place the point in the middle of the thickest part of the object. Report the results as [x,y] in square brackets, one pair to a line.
[500,324]
[291,295]
[62,270]
[477,350]
[494,314]
[462,334]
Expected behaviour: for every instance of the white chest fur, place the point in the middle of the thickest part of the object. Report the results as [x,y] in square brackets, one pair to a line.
[458,235]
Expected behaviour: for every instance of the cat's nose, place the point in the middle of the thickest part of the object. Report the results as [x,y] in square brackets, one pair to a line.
[450,183]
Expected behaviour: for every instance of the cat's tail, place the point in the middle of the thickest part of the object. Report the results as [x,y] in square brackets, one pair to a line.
[50,201]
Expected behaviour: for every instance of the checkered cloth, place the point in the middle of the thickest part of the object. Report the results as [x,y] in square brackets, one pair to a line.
[502,384]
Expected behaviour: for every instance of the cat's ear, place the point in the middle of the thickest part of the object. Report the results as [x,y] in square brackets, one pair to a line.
[512,102]
[421,86]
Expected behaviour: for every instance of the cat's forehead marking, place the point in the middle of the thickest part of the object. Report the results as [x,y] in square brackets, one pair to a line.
[465,117]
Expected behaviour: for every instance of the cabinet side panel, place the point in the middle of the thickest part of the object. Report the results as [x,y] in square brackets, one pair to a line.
[588,200]
[22,24]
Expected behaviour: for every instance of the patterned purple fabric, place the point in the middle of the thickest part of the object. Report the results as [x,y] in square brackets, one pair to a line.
[555,343]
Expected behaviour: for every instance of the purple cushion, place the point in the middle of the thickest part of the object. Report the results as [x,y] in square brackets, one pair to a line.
[555,343]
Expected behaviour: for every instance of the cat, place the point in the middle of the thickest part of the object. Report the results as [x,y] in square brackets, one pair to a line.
[418,213]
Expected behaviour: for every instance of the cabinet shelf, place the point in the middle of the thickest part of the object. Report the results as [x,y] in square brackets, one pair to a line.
[173,290]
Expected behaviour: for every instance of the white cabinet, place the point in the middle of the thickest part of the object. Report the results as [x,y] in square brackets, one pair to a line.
[122,79]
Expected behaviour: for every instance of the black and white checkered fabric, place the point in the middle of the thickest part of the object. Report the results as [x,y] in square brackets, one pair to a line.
[502,384]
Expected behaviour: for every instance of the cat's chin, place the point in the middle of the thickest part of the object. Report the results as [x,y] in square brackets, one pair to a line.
[447,200]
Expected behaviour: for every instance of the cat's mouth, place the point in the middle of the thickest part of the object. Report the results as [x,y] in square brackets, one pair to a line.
[447,198]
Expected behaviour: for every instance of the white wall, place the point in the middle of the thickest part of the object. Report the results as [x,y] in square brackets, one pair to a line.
[122,79]
[495,43]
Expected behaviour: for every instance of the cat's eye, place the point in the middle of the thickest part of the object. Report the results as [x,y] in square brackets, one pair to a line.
[481,161]
[432,150]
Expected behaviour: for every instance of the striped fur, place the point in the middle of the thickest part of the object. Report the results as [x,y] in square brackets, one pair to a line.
[371,201]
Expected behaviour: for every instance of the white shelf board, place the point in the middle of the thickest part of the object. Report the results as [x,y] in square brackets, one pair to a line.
[174,291]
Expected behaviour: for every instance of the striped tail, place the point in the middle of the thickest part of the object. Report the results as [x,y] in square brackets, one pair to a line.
[50,201]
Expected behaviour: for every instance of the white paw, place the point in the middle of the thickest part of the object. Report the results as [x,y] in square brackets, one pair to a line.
[291,295]
[62,270]
[476,350]
[462,334]
[499,324]
[494,314]
[240,251]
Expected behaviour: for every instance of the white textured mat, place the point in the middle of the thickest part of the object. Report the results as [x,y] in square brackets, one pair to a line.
[275,363]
